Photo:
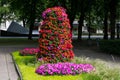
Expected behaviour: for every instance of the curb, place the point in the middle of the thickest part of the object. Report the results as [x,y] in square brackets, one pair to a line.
[17,69]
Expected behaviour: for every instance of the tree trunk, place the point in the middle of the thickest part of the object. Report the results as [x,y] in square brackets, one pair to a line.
[89,27]
[24,24]
[32,18]
[81,19]
[72,12]
[113,4]
[105,30]
[106,26]
[118,36]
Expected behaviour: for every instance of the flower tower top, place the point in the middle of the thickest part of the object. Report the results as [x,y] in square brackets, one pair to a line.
[55,37]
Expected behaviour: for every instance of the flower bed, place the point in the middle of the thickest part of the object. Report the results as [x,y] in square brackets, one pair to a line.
[55,36]
[102,70]
[29,51]
[64,69]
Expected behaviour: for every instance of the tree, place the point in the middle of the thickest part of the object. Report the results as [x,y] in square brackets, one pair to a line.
[20,9]
[32,17]
[71,7]
[84,8]
[118,20]
[113,4]
[28,11]
[4,11]
[106,15]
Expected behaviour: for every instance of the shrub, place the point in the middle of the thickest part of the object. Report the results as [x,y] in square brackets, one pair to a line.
[64,69]
[55,37]
[110,46]
[29,51]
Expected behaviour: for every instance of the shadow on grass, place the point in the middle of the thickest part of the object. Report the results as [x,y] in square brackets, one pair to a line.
[18,41]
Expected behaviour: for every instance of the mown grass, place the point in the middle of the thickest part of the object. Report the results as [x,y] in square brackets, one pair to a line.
[28,64]
[28,70]
[17,41]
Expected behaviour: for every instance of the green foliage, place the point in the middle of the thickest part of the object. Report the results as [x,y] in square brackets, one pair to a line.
[102,72]
[23,10]
[25,59]
[91,77]
[4,10]
[110,46]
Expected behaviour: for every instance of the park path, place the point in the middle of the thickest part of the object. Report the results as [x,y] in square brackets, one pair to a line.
[90,49]
[111,60]
[7,68]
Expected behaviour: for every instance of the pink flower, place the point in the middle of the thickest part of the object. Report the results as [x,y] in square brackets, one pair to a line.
[29,51]
[64,69]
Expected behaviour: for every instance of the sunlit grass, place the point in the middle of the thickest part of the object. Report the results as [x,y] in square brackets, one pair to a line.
[28,73]
[27,66]
[28,70]
[103,71]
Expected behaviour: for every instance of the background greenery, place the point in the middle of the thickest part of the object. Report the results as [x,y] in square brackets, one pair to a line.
[110,46]
[97,14]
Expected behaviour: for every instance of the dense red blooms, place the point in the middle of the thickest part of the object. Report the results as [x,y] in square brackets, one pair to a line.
[55,36]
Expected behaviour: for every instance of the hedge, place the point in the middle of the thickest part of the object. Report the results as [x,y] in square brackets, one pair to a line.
[110,46]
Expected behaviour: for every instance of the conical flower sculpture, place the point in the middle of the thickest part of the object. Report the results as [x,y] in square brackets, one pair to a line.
[55,36]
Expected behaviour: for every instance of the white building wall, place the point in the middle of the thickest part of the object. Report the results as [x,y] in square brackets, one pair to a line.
[4,26]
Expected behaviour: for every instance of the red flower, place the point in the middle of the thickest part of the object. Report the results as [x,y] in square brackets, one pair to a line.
[55,36]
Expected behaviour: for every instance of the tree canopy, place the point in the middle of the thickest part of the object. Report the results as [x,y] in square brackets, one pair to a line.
[97,13]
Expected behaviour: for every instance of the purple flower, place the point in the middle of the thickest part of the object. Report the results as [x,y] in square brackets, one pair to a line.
[46,12]
[64,69]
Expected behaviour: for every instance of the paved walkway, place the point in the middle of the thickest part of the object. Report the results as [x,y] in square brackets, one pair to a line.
[8,72]
[7,69]
[112,60]
[91,50]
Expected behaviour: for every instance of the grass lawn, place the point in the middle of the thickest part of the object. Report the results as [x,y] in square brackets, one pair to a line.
[18,41]
[28,73]
[27,68]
